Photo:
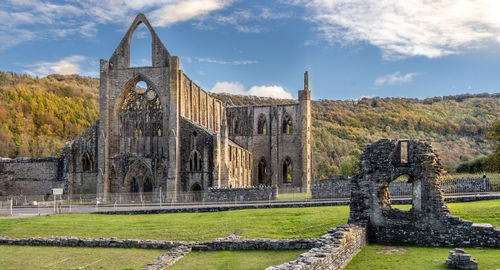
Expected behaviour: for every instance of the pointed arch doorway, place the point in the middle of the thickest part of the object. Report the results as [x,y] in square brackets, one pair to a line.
[139,182]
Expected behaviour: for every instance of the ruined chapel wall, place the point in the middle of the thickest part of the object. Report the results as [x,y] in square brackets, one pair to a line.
[198,106]
[30,176]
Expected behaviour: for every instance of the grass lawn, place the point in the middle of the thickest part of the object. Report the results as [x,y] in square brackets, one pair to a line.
[409,257]
[235,260]
[294,196]
[25,257]
[275,223]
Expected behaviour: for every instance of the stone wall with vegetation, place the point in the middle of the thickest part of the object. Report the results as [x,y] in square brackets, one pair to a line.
[338,247]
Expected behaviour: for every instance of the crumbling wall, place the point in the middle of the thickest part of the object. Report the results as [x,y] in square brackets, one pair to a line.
[258,193]
[429,222]
[30,176]
[338,247]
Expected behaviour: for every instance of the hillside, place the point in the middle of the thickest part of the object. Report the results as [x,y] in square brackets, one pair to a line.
[38,115]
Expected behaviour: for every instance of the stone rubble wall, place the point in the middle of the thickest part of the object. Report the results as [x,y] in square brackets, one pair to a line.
[339,187]
[218,244]
[338,247]
[23,176]
[257,193]
[168,259]
[454,232]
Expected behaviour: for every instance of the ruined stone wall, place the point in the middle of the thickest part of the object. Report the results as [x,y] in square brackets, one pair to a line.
[30,176]
[428,222]
[194,138]
[338,247]
[199,107]
[240,166]
[339,187]
[273,146]
[257,193]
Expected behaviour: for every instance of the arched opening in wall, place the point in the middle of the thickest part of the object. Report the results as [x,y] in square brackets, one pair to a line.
[196,192]
[141,115]
[141,47]
[262,125]
[195,161]
[404,187]
[262,171]
[134,186]
[287,173]
[287,125]
[87,162]
[236,126]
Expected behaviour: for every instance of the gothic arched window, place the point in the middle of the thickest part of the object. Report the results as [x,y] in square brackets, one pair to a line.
[262,171]
[195,161]
[236,126]
[262,125]
[287,171]
[287,124]
[87,162]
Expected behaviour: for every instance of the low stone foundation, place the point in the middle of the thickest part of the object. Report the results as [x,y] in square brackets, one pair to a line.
[338,247]
[338,187]
[258,193]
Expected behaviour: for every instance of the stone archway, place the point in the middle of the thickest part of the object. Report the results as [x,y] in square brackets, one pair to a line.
[196,192]
[429,222]
[139,181]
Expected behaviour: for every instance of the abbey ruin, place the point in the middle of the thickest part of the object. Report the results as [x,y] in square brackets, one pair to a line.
[171,135]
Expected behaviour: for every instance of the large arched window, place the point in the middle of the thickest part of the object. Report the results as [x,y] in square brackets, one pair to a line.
[141,112]
[287,124]
[262,171]
[195,161]
[287,171]
[87,162]
[262,125]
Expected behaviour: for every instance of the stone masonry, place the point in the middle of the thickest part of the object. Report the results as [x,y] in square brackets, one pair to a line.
[429,222]
[158,129]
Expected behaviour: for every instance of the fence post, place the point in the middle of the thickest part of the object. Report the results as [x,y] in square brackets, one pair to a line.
[11,206]
[160,196]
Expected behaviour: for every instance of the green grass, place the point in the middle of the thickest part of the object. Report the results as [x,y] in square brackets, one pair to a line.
[235,260]
[294,196]
[278,223]
[25,257]
[418,258]
[275,223]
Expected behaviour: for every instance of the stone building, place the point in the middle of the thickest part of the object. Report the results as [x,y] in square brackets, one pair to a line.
[158,129]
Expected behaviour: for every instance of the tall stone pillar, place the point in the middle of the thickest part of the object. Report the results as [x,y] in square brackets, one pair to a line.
[175,82]
[305,134]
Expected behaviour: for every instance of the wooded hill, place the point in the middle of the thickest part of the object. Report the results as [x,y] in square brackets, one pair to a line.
[38,115]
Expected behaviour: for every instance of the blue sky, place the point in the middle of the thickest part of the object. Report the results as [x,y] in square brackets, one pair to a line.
[352,48]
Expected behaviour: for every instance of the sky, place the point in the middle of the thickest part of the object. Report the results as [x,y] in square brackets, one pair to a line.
[351,48]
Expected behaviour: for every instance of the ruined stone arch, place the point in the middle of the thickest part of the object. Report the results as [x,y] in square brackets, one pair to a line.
[87,162]
[139,177]
[287,124]
[121,56]
[262,125]
[196,190]
[262,172]
[287,170]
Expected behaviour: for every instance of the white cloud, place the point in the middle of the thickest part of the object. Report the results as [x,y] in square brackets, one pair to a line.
[273,91]
[180,11]
[234,62]
[395,78]
[236,88]
[244,20]
[50,19]
[407,28]
[65,66]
